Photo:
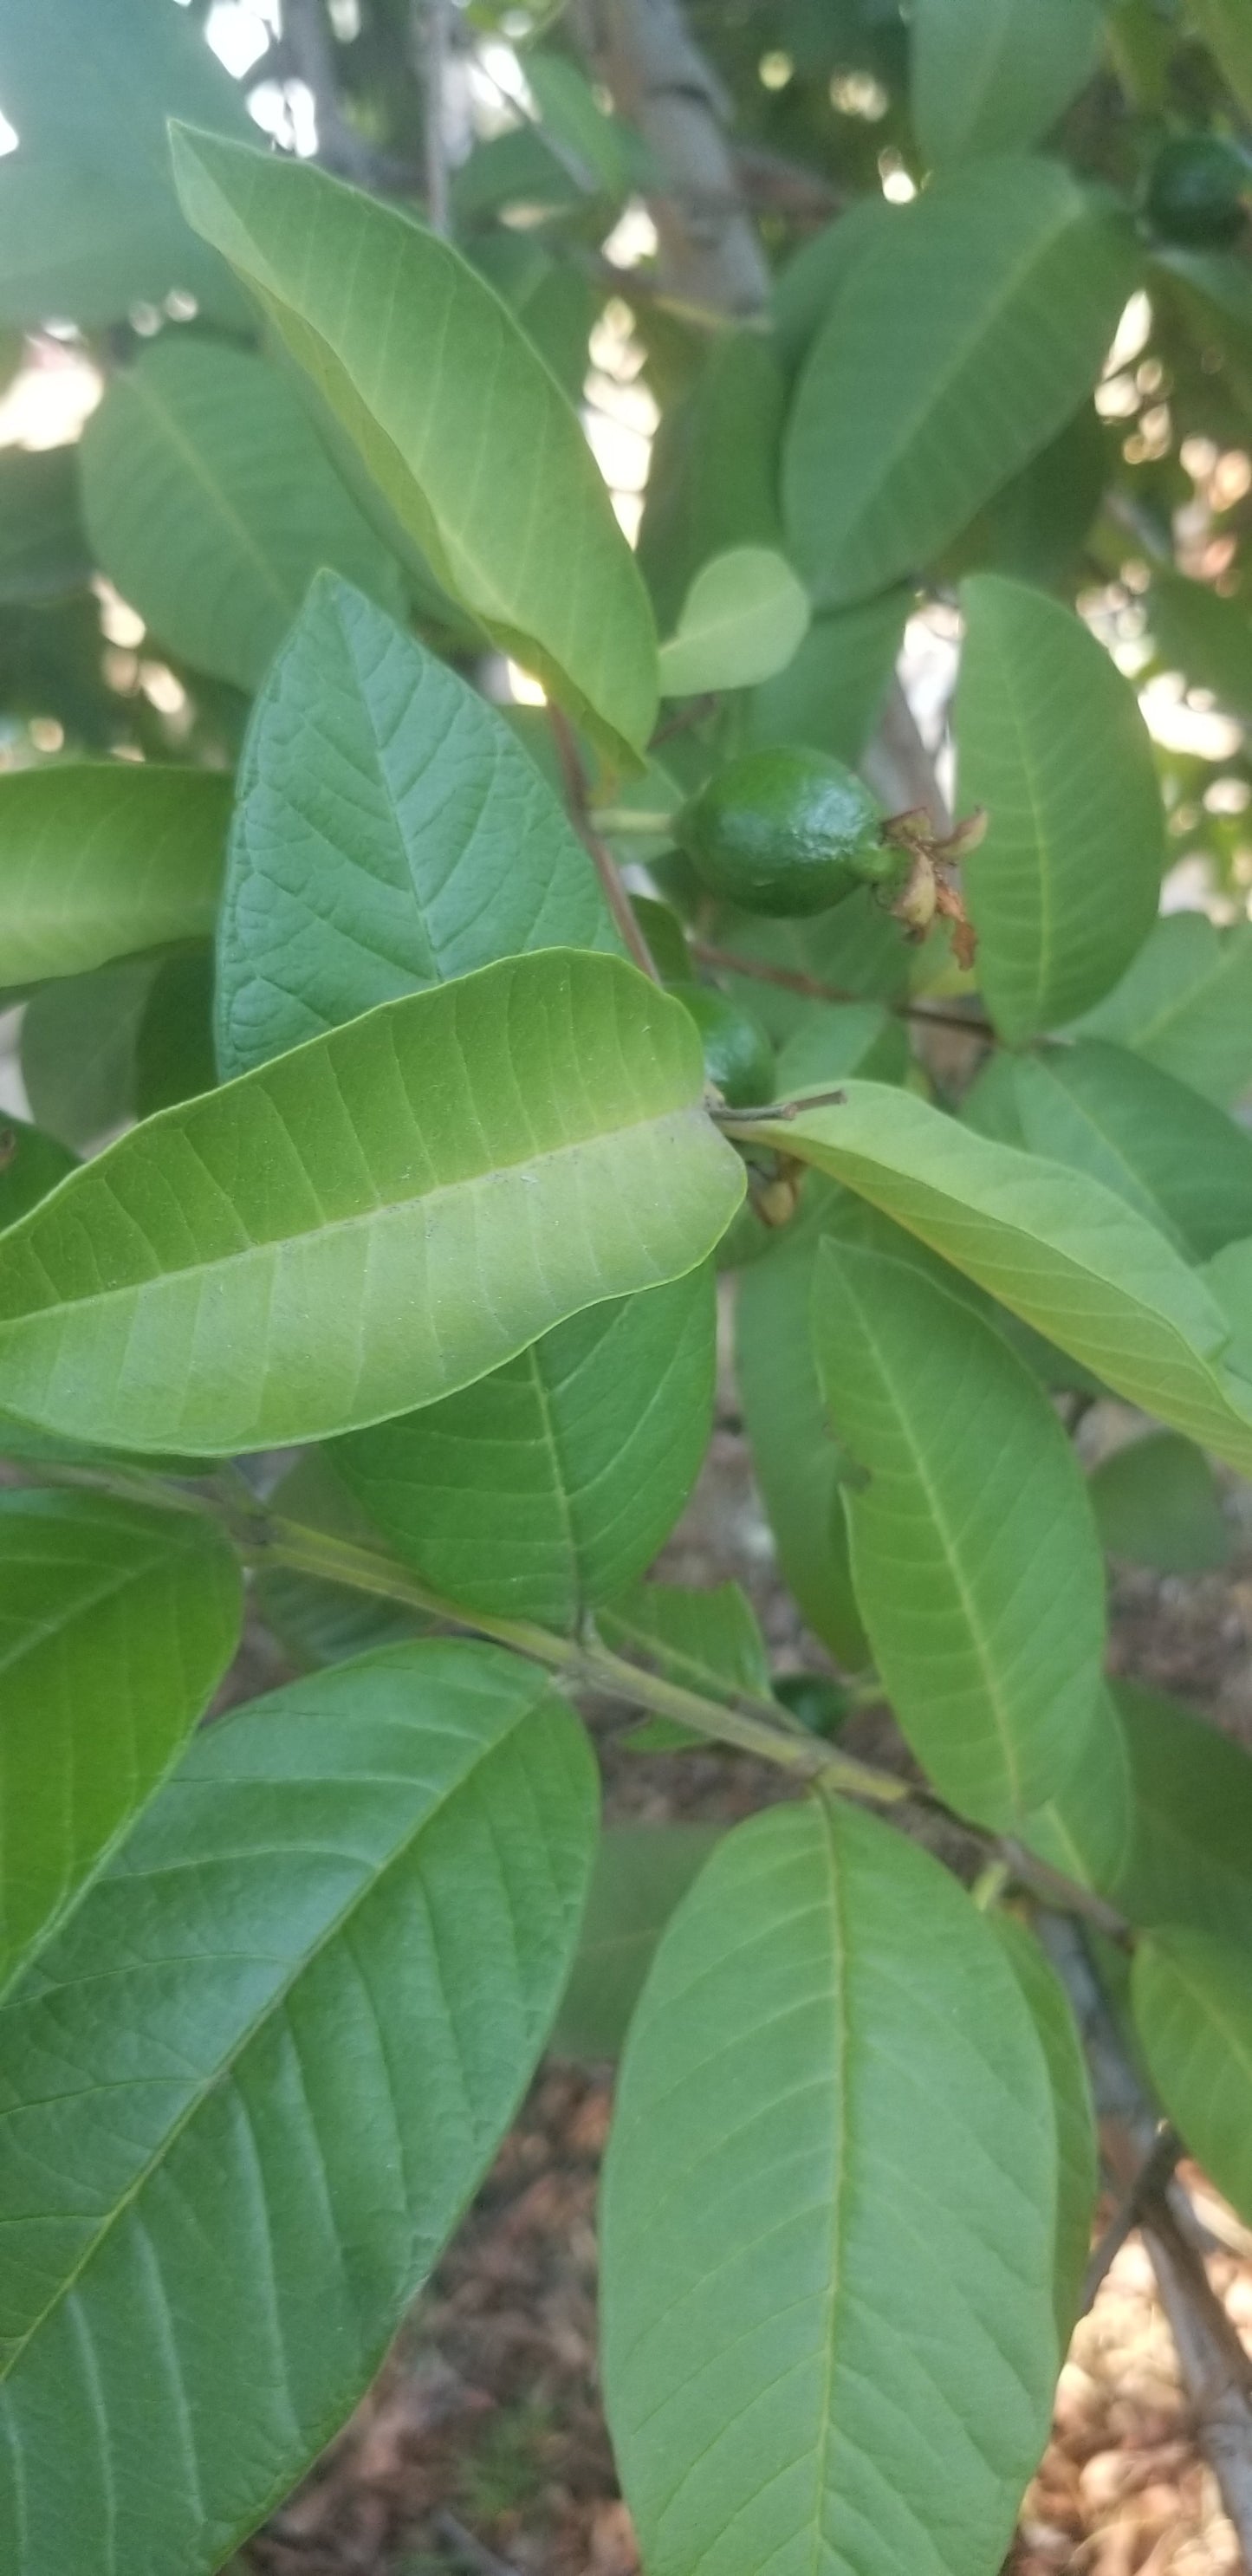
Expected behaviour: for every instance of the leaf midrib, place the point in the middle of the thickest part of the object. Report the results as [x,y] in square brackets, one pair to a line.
[394,1211]
[274,2002]
[215,493]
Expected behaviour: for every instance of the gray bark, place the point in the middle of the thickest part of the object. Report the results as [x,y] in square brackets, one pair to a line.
[709,251]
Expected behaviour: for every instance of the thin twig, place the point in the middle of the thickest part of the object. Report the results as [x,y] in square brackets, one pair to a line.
[790,980]
[605,864]
[472,2553]
[432,32]
[1216,2372]
[1156,2168]
[899,765]
[754,1723]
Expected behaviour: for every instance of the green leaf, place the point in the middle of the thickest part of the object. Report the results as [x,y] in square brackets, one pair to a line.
[807,284]
[1056,1248]
[43,548]
[211,503]
[795,1458]
[742,620]
[1050,740]
[974,1555]
[1035,527]
[79,1049]
[988,76]
[832,691]
[297,2014]
[373,1220]
[1184,1164]
[1203,635]
[1078,2170]
[641,1873]
[1186,1005]
[31,1164]
[100,858]
[713,472]
[1190,1859]
[837,1038]
[174,1041]
[555,303]
[1087,1830]
[707,1641]
[959,339]
[856,949]
[89,221]
[1157,1502]
[116,1625]
[390,833]
[569,109]
[1223,24]
[1193,2013]
[481,457]
[547,1487]
[828,2218]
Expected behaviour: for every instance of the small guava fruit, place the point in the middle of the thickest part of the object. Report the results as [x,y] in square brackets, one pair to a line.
[785,831]
[738,1057]
[1195,191]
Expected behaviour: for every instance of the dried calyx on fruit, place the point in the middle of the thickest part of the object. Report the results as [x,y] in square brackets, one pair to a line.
[790,831]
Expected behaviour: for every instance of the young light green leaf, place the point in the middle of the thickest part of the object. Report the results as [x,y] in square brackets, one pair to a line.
[116,1624]
[1078,2163]
[89,221]
[100,858]
[1053,1246]
[211,503]
[828,2218]
[390,833]
[1186,1005]
[641,1873]
[1192,2005]
[31,1164]
[372,1221]
[481,457]
[742,619]
[299,2010]
[1182,1162]
[1050,741]
[549,1485]
[1157,1502]
[975,1561]
[832,691]
[989,77]
[795,1458]
[963,334]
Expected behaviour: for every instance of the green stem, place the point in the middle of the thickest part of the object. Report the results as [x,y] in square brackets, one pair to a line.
[756,1726]
[626,819]
[125,1485]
